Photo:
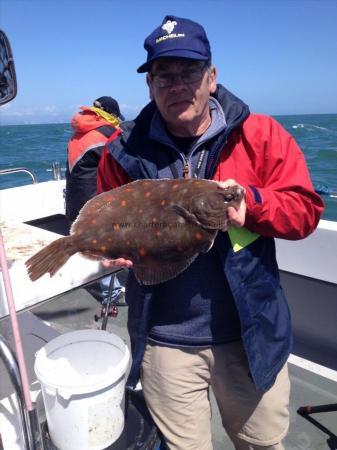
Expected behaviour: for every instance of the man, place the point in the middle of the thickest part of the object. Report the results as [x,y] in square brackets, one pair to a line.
[93,126]
[224,322]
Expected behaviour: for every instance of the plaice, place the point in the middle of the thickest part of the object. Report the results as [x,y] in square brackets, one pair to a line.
[160,225]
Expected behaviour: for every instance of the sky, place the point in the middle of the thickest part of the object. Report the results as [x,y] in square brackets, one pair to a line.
[279,56]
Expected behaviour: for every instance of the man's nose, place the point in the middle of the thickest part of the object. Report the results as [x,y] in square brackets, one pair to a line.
[177,82]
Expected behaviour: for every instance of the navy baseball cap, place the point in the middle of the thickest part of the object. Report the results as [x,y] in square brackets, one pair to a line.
[176,38]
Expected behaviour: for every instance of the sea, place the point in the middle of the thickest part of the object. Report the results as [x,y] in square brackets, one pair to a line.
[37,147]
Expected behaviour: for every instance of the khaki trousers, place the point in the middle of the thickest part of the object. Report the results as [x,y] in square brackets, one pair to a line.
[176,385]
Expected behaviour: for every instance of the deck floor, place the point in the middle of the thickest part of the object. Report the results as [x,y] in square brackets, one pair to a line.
[76,310]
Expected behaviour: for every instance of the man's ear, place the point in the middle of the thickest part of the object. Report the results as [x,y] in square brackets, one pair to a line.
[148,81]
[212,79]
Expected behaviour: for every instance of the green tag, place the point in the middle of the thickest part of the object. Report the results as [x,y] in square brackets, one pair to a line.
[241,237]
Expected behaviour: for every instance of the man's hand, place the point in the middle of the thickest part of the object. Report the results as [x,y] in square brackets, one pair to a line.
[235,217]
[119,262]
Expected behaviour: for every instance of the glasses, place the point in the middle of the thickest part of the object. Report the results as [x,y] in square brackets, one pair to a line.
[187,76]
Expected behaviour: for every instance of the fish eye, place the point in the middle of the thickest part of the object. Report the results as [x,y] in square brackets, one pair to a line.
[229,197]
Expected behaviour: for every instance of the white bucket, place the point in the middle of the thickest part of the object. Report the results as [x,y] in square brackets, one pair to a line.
[82,376]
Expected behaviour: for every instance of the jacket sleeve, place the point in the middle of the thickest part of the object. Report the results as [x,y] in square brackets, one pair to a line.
[285,204]
[110,174]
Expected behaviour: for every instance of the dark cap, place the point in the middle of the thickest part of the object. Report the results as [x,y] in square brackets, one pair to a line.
[176,38]
[110,105]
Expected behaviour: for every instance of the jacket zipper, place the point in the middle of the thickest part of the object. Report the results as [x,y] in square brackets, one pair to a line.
[186,171]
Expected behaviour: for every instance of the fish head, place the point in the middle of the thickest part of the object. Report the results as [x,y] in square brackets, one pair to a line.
[210,207]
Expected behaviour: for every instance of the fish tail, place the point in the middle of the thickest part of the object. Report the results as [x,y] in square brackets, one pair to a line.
[50,259]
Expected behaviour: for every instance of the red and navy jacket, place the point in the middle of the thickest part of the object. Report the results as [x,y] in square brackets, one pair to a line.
[91,133]
[281,202]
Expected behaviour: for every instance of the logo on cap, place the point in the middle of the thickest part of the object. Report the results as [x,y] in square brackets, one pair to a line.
[169,26]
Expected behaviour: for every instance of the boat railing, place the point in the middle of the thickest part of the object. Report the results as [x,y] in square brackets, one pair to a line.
[56,170]
[19,169]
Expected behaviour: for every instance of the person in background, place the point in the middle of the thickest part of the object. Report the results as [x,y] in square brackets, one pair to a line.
[224,322]
[92,127]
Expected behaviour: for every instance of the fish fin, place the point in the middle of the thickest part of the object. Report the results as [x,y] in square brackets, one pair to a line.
[51,258]
[181,211]
[206,224]
[90,255]
[149,275]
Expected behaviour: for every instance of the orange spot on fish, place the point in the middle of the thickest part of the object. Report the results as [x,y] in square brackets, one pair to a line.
[128,243]
[175,186]
[163,202]
[94,241]
[154,220]
[142,252]
[116,226]
[123,203]
[93,222]
[140,211]
[103,248]
[147,194]
[158,233]
[198,236]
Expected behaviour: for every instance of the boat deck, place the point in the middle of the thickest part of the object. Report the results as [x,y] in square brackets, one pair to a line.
[77,309]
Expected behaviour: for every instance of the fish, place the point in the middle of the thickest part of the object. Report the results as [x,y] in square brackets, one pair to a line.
[160,225]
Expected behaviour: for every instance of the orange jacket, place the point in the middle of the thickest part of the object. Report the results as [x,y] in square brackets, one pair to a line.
[91,133]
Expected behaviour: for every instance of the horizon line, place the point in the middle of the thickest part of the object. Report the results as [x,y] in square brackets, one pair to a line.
[68,122]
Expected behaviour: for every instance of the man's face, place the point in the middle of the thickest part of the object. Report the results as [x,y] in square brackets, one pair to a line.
[181,90]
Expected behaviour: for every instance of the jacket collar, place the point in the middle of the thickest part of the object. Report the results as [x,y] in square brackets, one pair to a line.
[134,150]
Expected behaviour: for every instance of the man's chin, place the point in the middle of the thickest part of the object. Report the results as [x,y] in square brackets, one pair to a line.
[183,116]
